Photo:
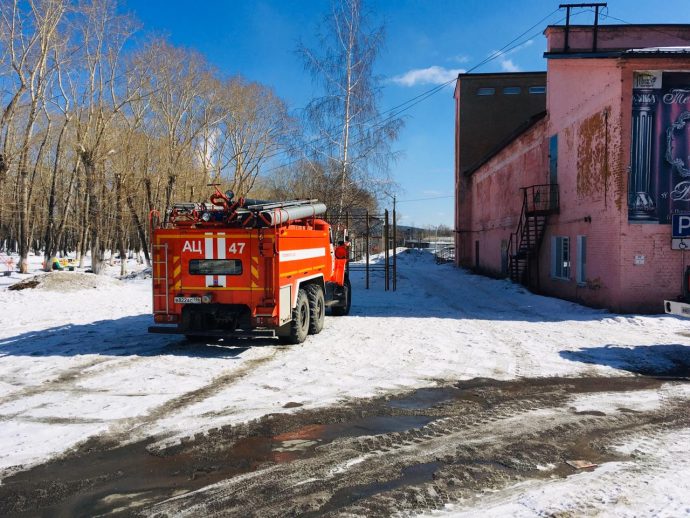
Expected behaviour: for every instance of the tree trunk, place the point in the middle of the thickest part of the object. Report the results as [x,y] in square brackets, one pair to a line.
[23,221]
[119,225]
[93,220]
[141,231]
[51,240]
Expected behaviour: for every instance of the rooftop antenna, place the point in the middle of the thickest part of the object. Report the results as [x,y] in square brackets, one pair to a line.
[567,7]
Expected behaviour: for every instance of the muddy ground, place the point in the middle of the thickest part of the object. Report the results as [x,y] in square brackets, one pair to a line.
[406,454]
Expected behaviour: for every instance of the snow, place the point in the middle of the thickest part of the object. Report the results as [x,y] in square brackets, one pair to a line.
[658,484]
[79,363]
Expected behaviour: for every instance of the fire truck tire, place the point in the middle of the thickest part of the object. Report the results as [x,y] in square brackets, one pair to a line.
[299,327]
[317,308]
[341,311]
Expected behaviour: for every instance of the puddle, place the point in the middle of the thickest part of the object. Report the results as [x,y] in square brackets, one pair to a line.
[411,475]
[140,477]
[312,435]
[425,398]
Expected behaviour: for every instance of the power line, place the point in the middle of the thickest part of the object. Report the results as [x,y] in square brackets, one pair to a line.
[424,199]
[410,103]
[606,15]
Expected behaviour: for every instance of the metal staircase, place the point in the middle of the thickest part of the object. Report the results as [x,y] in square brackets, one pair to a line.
[538,202]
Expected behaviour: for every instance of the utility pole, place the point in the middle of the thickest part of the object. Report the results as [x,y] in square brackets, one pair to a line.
[395,247]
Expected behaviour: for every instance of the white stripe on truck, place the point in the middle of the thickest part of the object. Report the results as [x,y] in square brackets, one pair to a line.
[306,253]
[208,249]
[222,279]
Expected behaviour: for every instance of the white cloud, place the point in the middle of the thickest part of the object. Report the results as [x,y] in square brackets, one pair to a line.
[460,58]
[433,75]
[507,65]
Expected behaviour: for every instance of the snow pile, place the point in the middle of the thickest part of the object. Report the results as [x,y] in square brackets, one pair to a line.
[63,282]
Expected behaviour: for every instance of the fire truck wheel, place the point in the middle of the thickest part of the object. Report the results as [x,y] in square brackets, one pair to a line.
[340,311]
[317,308]
[299,327]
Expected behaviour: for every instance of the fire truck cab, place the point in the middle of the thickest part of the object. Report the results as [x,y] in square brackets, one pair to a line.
[247,268]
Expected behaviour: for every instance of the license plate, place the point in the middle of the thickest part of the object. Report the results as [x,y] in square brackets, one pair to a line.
[187,300]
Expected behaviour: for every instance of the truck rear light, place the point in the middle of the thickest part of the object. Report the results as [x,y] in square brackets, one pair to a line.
[165,319]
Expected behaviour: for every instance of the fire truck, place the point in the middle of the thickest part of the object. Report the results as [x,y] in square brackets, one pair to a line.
[244,267]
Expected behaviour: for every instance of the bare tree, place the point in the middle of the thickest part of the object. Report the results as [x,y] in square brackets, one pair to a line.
[104,33]
[180,82]
[93,136]
[252,126]
[32,37]
[353,140]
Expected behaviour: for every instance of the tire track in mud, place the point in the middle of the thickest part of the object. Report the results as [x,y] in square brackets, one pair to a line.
[510,437]
[384,456]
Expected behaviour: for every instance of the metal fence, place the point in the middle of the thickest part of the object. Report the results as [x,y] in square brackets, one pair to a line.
[372,237]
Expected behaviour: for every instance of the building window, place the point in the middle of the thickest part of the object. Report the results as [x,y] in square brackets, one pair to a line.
[486,91]
[511,90]
[560,257]
[537,90]
[581,259]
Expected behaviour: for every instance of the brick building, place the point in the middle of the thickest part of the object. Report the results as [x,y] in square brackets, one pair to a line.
[575,196]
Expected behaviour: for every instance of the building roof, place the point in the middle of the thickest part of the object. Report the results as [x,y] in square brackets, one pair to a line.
[495,74]
[614,41]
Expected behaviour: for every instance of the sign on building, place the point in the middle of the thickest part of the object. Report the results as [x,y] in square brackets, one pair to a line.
[680,225]
[659,182]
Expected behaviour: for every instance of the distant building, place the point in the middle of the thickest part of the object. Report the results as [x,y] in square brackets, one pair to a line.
[575,196]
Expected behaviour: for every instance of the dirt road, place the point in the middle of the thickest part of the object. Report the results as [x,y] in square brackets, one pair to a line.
[455,445]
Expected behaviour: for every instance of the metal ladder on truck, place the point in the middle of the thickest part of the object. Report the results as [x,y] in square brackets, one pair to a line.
[160,261]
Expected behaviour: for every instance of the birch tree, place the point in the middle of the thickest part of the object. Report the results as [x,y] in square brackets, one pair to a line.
[349,133]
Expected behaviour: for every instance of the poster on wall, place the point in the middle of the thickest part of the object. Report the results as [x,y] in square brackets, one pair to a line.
[659,182]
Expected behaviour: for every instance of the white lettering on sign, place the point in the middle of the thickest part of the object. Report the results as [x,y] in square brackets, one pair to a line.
[683,224]
[235,246]
[192,246]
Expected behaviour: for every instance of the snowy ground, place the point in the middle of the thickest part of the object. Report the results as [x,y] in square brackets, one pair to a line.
[80,364]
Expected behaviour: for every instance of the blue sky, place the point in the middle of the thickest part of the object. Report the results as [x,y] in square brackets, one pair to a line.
[428,42]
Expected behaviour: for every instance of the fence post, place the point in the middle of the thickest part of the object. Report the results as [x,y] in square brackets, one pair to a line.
[395,248]
[386,275]
[367,253]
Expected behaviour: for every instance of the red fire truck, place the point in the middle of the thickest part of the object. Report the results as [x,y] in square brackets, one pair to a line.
[247,268]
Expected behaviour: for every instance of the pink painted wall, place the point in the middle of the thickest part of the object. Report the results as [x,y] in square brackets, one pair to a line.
[589,104]
[585,111]
[495,189]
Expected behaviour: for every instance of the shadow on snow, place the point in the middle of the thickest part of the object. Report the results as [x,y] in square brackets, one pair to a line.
[125,336]
[671,360]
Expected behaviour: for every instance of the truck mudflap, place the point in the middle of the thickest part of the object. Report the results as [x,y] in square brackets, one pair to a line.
[213,333]
[672,307]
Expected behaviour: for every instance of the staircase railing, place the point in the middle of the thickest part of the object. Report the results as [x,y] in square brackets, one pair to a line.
[537,201]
